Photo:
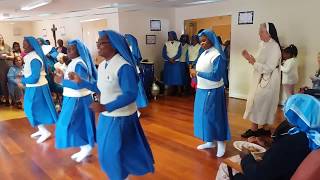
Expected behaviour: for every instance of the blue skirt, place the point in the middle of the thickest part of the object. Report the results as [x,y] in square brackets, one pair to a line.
[210,115]
[122,147]
[38,106]
[142,100]
[184,73]
[76,123]
[172,74]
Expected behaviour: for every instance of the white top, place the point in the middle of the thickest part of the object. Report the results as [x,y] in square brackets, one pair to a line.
[193,52]
[289,71]
[27,69]
[46,49]
[172,49]
[263,97]
[184,53]
[74,92]
[108,84]
[205,64]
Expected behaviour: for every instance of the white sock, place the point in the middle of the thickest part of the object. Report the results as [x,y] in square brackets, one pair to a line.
[84,152]
[45,134]
[221,148]
[35,135]
[75,155]
[206,145]
[139,113]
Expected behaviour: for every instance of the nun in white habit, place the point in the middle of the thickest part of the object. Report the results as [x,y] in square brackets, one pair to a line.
[263,96]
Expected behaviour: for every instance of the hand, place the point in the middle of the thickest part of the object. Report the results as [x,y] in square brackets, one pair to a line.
[74,77]
[97,107]
[193,73]
[248,56]
[172,61]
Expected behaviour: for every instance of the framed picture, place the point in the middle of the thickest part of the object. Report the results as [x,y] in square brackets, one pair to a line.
[245,17]
[151,39]
[155,25]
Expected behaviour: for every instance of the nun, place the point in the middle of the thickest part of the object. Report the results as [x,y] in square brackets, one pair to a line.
[38,104]
[142,100]
[210,110]
[193,54]
[263,98]
[185,43]
[171,54]
[76,123]
[122,146]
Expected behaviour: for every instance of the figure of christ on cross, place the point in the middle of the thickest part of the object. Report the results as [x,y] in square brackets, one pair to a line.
[54,29]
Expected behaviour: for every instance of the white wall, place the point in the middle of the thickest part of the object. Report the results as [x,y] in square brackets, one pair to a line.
[137,23]
[296,21]
[15,31]
[72,24]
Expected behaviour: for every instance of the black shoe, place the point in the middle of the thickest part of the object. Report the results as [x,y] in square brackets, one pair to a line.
[263,132]
[249,133]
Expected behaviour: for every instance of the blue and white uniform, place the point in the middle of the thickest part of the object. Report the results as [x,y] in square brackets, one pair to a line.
[38,104]
[210,110]
[142,100]
[122,146]
[76,123]
[172,72]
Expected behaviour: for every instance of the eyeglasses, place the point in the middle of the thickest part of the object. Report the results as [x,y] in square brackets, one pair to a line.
[102,43]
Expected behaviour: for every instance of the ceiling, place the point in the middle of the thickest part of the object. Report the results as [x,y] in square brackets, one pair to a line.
[10,9]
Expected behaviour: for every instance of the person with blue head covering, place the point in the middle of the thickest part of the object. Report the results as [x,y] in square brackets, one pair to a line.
[122,146]
[185,43]
[171,53]
[210,110]
[51,55]
[142,100]
[287,152]
[38,104]
[76,123]
[193,54]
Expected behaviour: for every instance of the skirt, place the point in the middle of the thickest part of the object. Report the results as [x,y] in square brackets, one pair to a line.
[122,147]
[184,73]
[210,115]
[76,123]
[38,106]
[172,74]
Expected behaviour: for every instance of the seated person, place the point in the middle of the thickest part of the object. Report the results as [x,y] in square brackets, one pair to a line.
[286,153]
[14,91]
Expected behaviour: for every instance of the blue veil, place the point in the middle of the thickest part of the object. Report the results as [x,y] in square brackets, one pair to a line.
[33,42]
[135,47]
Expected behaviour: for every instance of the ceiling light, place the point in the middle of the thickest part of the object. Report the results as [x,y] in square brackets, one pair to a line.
[201,2]
[35,4]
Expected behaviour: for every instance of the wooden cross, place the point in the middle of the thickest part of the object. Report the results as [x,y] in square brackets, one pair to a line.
[54,29]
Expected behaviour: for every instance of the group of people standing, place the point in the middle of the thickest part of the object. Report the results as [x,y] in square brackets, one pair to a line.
[122,146]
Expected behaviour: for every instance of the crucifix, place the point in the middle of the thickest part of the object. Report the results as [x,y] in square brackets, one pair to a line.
[54,29]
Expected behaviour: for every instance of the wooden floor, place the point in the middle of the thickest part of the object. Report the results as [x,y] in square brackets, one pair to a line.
[168,124]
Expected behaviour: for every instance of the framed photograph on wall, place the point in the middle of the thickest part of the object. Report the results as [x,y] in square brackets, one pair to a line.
[151,39]
[245,17]
[155,25]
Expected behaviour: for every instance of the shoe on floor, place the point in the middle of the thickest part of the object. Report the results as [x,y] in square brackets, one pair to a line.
[249,133]
[263,132]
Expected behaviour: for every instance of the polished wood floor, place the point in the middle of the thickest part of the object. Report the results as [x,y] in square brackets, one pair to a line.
[168,125]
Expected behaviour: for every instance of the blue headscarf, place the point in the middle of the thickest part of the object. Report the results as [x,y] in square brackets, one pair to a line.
[44,42]
[303,111]
[195,37]
[33,42]
[119,43]
[135,47]
[214,40]
[173,34]
[86,57]
[216,44]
